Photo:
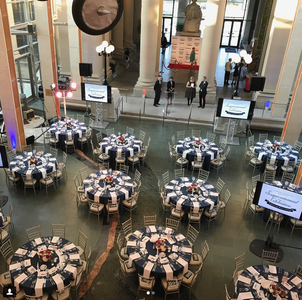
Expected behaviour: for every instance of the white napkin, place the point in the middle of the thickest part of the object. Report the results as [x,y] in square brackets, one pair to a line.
[272,269]
[286,159]
[273,160]
[209,201]
[246,295]
[152,228]
[132,257]
[125,192]
[294,156]
[69,246]
[184,154]
[198,156]
[113,197]
[147,269]
[186,249]
[97,196]
[211,153]
[38,241]
[14,266]
[260,155]
[28,174]
[80,133]
[184,264]
[296,280]
[21,251]
[131,151]
[74,256]
[18,280]
[169,272]
[59,282]
[294,295]
[107,149]
[90,188]
[179,203]
[196,207]
[57,134]
[131,244]
[169,195]
[71,269]
[53,166]
[253,271]
[244,279]
[39,287]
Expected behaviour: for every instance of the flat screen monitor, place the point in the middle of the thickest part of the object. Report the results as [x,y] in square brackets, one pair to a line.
[3,157]
[235,109]
[96,92]
[278,199]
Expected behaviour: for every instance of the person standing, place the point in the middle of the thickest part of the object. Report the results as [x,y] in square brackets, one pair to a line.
[228,68]
[203,92]
[170,89]
[192,56]
[157,89]
[164,43]
[235,75]
[191,90]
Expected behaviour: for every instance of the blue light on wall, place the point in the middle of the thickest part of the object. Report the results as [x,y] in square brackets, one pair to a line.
[13,141]
[267,103]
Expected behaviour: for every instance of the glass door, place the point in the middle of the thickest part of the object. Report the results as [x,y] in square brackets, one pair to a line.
[231,33]
[167,28]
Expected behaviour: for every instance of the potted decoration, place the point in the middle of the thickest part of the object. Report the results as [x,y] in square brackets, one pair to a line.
[108,179]
[193,188]
[68,124]
[33,160]
[121,139]
[160,245]
[179,28]
[276,147]
[45,255]
[276,290]
[197,143]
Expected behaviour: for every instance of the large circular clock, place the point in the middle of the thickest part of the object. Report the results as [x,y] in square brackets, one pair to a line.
[96,17]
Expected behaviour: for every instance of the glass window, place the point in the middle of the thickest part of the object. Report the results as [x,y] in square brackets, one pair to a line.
[235,9]
[16,13]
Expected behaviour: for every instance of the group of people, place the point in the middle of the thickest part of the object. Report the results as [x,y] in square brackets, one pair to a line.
[190,93]
[228,68]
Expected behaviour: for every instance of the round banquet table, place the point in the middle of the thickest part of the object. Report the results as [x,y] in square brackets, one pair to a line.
[60,129]
[283,155]
[47,163]
[177,190]
[251,279]
[112,144]
[96,189]
[207,149]
[26,261]
[179,250]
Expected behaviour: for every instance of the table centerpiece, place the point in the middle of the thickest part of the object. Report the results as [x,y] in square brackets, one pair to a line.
[121,139]
[68,124]
[33,160]
[160,245]
[276,147]
[108,179]
[193,188]
[45,255]
[276,290]
[197,143]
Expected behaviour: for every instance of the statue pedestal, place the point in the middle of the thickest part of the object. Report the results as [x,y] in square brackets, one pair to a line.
[188,33]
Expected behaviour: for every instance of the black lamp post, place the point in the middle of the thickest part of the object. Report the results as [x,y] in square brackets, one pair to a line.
[105,50]
[241,58]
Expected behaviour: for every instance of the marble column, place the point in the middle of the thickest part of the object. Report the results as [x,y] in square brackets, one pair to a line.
[74,50]
[276,40]
[210,45]
[289,66]
[128,21]
[9,92]
[43,13]
[293,123]
[148,47]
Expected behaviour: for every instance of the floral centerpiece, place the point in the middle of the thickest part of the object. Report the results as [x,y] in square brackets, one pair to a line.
[108,179]
[33,160]
[193,188]
[45,255]
[276,290]
[160,245]
[276,147]
[197,143]
[121,139]
[68,124]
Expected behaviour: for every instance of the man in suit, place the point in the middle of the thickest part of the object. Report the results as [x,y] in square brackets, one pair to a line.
[157,89]
[203,92]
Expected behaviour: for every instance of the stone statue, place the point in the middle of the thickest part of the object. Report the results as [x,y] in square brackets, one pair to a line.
[193,18]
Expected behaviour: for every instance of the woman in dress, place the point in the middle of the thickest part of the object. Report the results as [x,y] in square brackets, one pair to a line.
[192,56]
[191,90]
[170,89]
[235,75]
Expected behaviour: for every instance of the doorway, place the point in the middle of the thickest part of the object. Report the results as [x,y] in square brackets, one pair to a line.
[231,33]
[167,28]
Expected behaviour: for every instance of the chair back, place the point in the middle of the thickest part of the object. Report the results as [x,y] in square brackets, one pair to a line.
[298,271]
[58,230]
[224,142]
[227,197]
[6,249]
[269,175]
[64,293]
[211,137]
[80,118]
[149,220]
[192,234]
[173,140]
[142,135]
[298,145]
[227,296]
[27,148]
[127,227]
[124,169]
[204,250]
[84,173]
[109,131]
[130,130]
[251,141]
[172,223]
[181,135]
[137,176]
[196,132]
[277,138]
[203,174]
[113,207]
[255,179]
[219,185]
[82,240]
[171,283]
[179,173]
[269,257]
[54,152]
[99,137]
[240,262]
[289,177]
[33,233]
[143,281]
[11,155]
[263,137]
[165,178]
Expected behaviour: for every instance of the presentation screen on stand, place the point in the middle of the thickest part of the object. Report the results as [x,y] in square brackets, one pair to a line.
[278,199]
[96,92]
[3,157]
[235,109]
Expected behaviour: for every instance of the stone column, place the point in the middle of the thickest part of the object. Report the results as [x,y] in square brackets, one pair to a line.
[118,39]
[293,123]
[74,49]
[45,34]
[9,92]
[276,41]
[289,66]
[128,20]
[210,45]
[148,47]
